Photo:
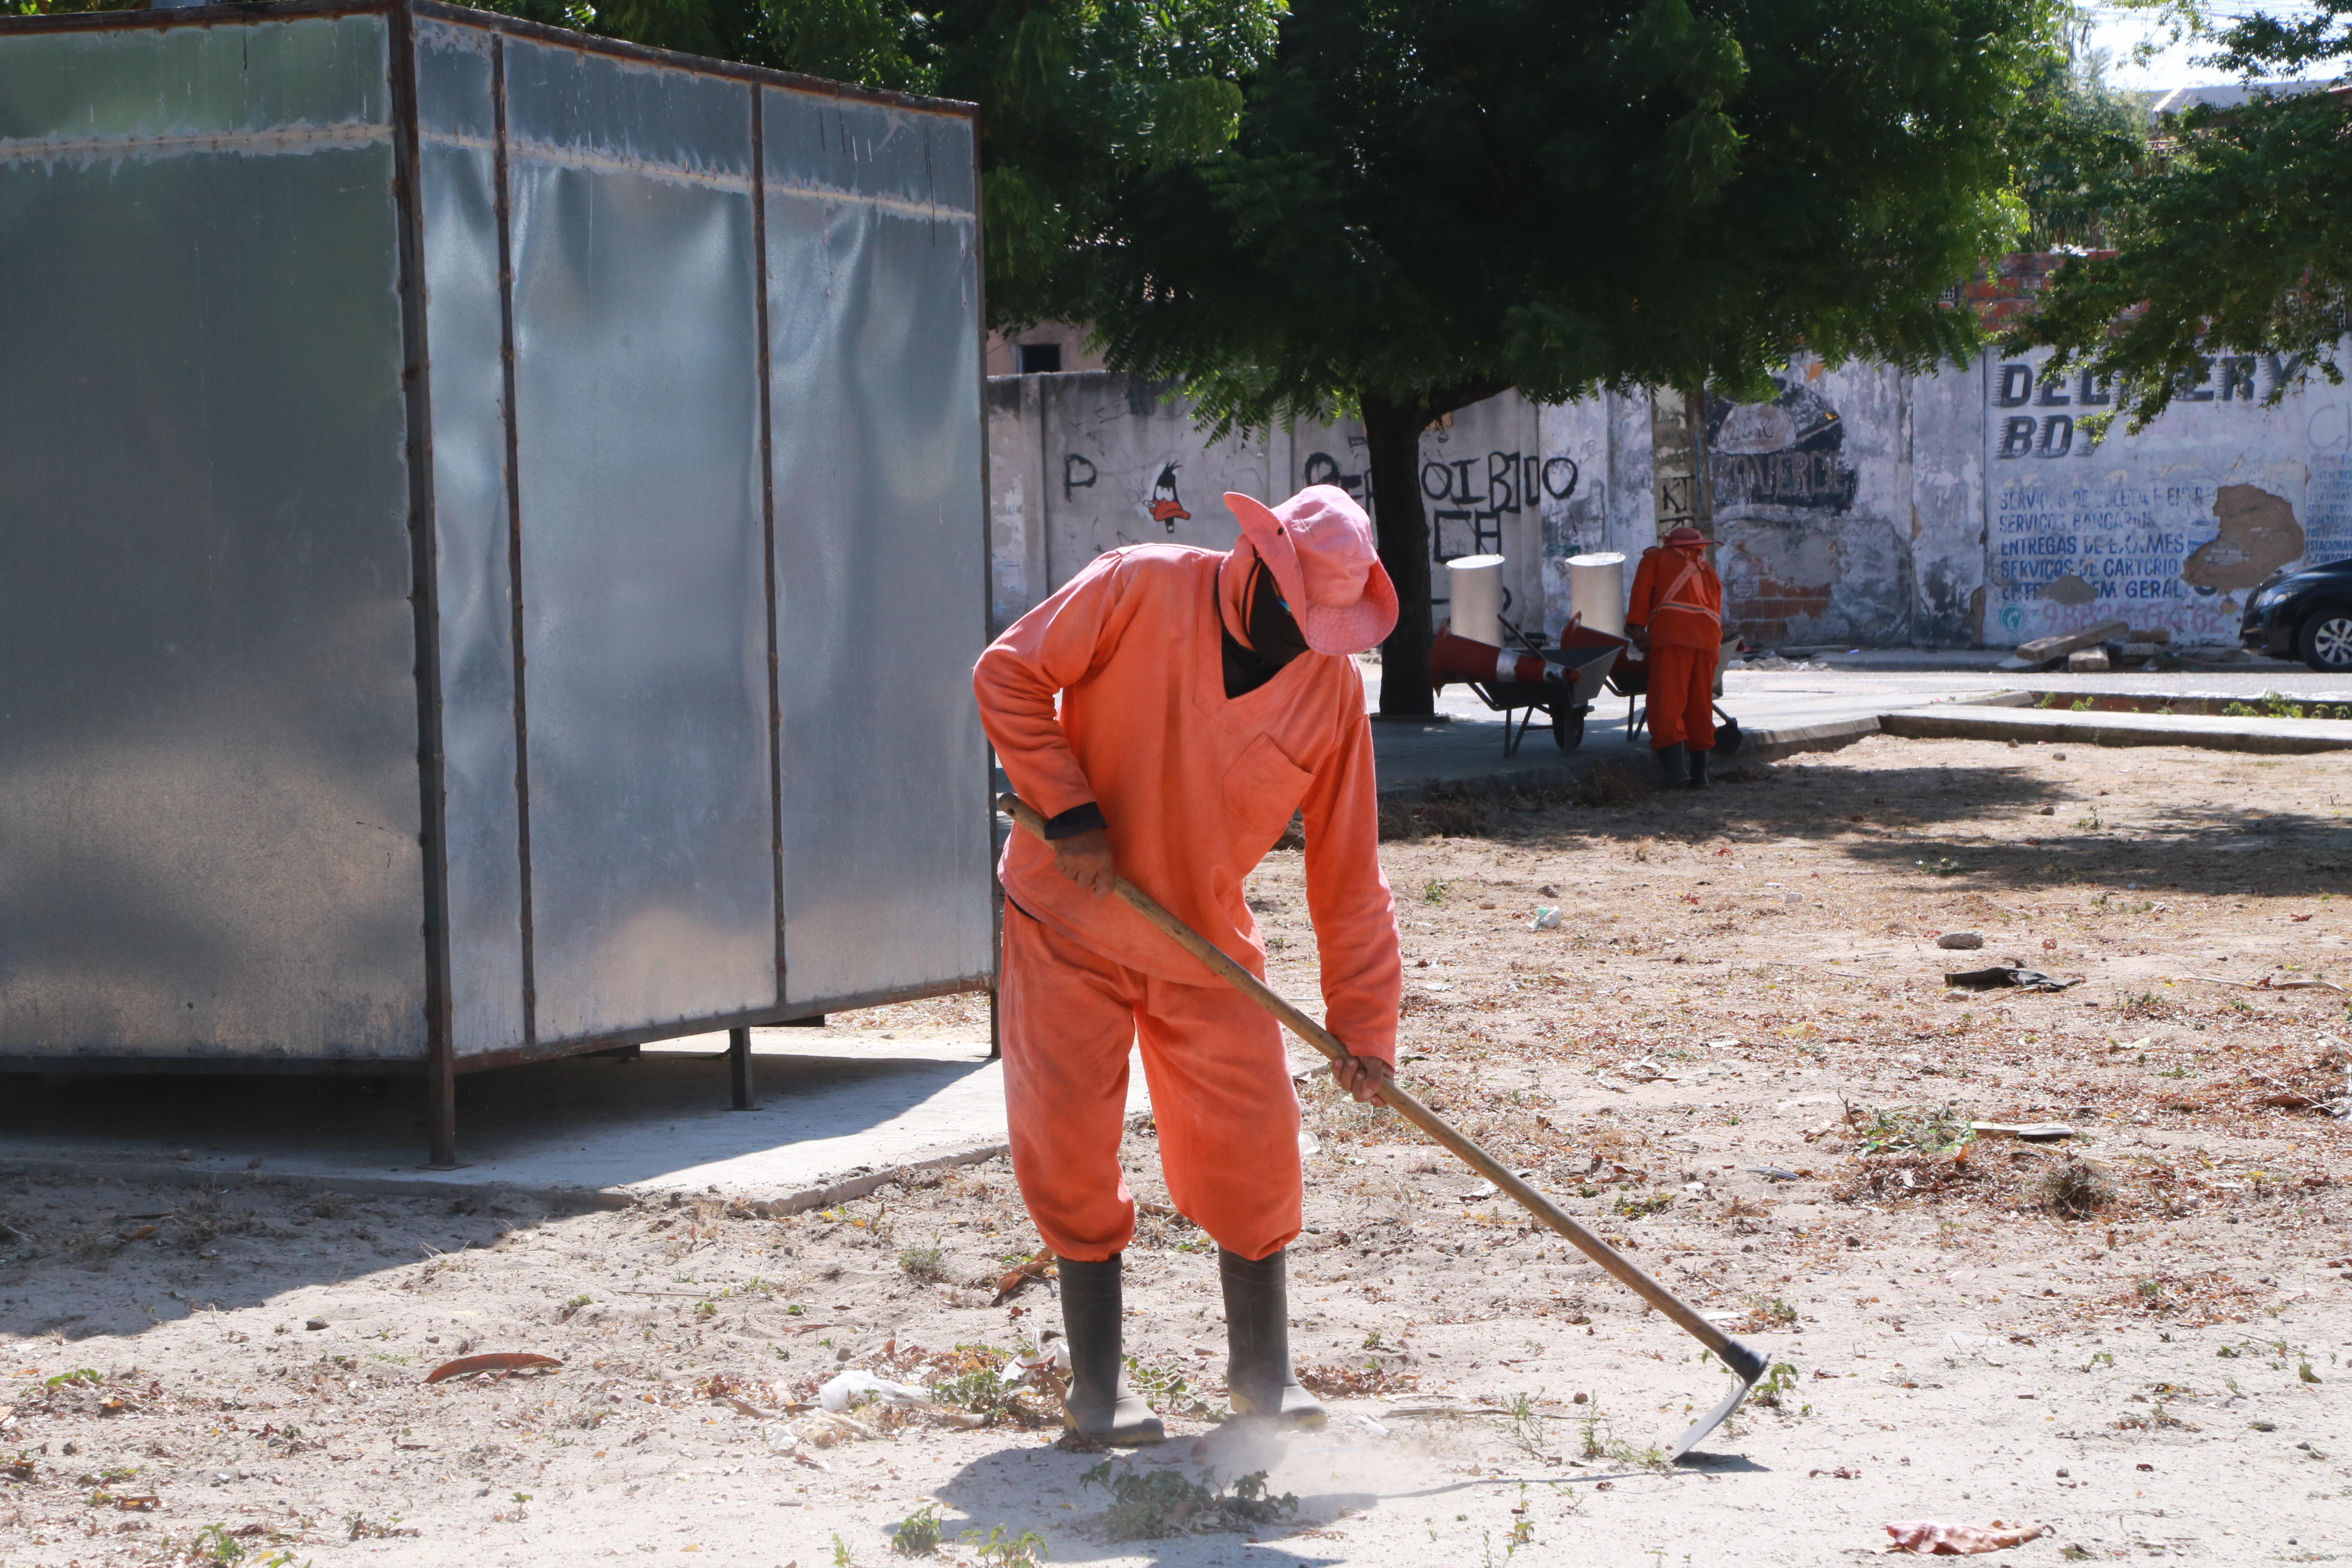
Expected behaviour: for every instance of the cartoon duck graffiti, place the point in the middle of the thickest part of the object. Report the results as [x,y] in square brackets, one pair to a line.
[1162,504]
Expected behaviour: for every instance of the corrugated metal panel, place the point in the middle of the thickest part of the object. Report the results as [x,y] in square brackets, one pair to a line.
[457,121]
[873,342]
[644,607]
[908,157]
[208,796]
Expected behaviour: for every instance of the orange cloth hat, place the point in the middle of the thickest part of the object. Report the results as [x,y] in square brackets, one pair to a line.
[1318,545]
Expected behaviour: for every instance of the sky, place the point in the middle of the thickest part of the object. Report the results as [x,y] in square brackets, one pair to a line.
[2119,31]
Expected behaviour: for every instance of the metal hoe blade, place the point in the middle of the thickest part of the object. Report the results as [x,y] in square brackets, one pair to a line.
[1721,1413]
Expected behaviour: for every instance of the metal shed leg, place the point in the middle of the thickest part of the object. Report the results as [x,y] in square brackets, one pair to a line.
[441,1113]
[739,1066]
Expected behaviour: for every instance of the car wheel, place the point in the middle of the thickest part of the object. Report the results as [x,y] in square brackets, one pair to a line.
[2325,641]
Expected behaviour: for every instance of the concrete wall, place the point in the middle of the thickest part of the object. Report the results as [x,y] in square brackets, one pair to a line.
[2165,530]
[1079,464]
[1861,505]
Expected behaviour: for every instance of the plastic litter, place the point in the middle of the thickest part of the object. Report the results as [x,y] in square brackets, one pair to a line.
[2030,1132]
[2001,975]
[1368,1425]
[1547,918]
[837,1394]
[781,1438]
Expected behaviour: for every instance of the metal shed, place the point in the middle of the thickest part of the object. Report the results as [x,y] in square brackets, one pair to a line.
[492,541]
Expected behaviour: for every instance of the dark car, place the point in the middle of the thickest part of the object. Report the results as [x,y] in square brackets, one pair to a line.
[2305,613]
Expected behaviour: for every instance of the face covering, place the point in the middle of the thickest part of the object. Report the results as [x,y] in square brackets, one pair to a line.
[1274,635]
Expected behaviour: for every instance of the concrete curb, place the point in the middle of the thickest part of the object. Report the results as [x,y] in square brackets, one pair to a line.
[1771,746]
[2275,737]
[1756,746]
[841,1191]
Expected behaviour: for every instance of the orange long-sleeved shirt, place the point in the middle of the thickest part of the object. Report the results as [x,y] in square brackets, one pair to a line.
[1195,786]
[1690,617]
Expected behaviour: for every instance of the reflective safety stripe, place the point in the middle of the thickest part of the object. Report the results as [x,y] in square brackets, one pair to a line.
[1667,601]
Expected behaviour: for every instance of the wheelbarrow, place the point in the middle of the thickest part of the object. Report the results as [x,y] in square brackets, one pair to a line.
[1563,703]
[1569,680]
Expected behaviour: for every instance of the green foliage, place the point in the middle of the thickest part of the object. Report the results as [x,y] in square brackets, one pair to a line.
[1164,1388]
[2073,137]
[918,1535]
[2232,241]
[1025,1549]
[1163,1503]
[1929,1130]
[1773,1389]
[1411,210]
[927,1264]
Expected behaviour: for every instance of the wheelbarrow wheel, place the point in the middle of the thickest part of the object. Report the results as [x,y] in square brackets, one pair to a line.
[1568,729]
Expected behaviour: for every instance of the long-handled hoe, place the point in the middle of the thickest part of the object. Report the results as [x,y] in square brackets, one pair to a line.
[1747,1364]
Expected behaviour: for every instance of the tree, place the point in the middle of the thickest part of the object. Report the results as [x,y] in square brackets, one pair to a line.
[2239,238]
[1430,201]
[2074,138]
[1074,94]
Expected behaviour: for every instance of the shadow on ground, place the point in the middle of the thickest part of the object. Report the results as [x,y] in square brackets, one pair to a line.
[585,1121]
[1971,825]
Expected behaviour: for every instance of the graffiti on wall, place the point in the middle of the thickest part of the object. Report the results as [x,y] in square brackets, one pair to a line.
[2240,379]
[1472,495]
[1784,453]
[2164,530]
[1323,469]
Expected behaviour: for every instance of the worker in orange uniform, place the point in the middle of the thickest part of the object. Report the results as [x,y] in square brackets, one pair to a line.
[1203,699]
[1675,617]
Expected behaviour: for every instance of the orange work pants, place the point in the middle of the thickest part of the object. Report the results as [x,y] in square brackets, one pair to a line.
[1682,698]
[1221,1095]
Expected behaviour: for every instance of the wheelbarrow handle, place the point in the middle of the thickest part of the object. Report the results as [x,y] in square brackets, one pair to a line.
[1746,1363]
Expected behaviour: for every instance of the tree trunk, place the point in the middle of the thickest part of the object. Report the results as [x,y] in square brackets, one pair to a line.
[1678,460]
[1392,451]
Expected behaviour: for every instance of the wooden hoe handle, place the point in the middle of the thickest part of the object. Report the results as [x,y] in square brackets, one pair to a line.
[1746,1363]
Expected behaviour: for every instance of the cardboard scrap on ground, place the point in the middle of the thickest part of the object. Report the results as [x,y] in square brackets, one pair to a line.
[1930,1537]
[497,1360]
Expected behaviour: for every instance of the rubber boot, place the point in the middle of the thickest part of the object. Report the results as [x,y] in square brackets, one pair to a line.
[1102,1406]
[1258,1376]
[1674,765]
[1698,769]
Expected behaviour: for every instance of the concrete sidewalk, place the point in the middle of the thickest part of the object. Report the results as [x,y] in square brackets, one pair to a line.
[1782,712]
[830,1104]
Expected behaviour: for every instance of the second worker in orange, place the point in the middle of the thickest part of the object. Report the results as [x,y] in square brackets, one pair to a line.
[1675,615]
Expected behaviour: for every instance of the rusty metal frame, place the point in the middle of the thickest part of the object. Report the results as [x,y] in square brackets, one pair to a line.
[502,198]
[408,203]
[440,1066]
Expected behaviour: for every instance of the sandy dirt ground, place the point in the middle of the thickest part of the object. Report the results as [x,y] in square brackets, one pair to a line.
[1736,1055]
